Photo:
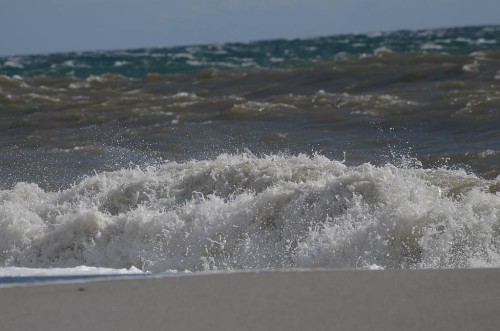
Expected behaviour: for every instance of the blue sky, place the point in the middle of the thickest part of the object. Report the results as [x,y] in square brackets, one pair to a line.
[44,26]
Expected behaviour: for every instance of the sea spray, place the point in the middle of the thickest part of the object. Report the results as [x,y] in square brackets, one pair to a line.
[247,212]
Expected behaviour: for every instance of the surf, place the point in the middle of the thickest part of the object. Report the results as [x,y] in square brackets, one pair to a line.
[243,212]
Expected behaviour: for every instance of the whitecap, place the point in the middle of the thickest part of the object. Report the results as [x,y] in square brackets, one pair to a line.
[246,212]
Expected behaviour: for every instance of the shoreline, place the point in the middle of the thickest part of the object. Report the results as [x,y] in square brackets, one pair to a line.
[278,300]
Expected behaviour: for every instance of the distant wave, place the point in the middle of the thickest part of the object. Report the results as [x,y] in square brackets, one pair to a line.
[281,53]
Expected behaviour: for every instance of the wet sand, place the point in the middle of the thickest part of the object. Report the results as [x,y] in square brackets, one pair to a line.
[295,300]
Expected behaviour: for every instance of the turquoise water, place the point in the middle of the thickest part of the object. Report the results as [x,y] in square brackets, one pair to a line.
[291,53]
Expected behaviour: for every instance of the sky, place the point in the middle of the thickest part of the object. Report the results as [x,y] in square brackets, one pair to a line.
[48,26]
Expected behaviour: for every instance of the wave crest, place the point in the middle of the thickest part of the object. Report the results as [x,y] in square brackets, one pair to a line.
[245,212]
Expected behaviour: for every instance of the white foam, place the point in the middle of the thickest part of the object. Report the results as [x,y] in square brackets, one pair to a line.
[13,63]
[43,97]
[93,78]
[120,63]
[485,153]
[383,50]
[79,85]
[74,64]
[482,41]
[188,56]
[430,46]
[256,107]
[80,270]
[471,67]
[497,75]
[244,212]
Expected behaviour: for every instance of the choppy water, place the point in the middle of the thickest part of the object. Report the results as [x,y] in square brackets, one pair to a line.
[355,151]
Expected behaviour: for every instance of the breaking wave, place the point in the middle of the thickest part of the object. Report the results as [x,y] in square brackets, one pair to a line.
[247,212]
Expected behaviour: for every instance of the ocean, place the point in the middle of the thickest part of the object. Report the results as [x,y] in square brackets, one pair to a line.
[361,151]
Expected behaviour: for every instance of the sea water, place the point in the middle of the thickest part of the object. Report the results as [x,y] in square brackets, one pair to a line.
[367,151]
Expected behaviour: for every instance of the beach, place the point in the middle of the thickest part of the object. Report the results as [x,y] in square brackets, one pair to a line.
[280,300]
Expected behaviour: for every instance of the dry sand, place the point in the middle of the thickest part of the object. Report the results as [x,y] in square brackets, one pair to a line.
[294,300]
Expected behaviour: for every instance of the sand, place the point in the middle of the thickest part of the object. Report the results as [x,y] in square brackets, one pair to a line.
[294,300]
